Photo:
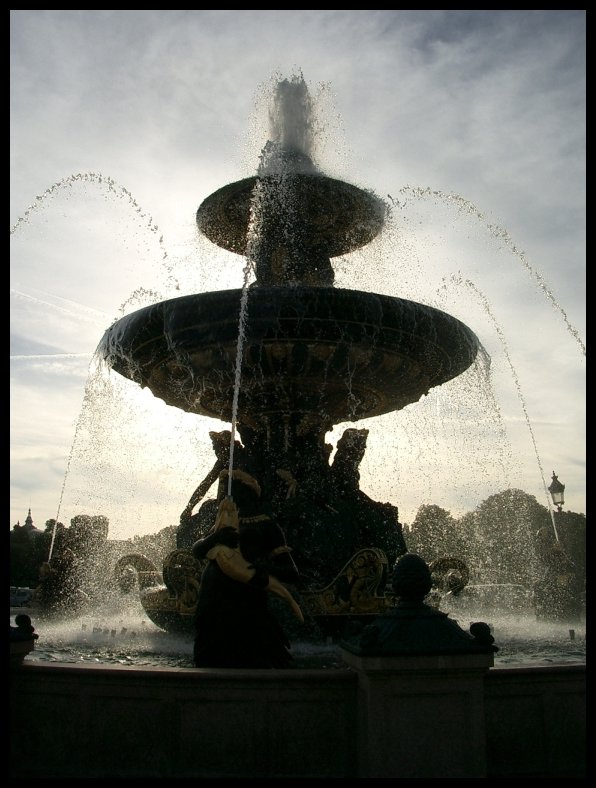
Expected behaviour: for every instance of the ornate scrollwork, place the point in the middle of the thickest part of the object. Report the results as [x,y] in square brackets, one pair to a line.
[147,573]
[355,590]
[179,568]
[449,574]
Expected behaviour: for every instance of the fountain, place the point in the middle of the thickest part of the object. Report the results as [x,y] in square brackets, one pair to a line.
[284,359]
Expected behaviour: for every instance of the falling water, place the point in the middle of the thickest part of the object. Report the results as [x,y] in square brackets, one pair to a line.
[458,280]
[87,407]
[113,188]
[289,149]
[108,184]
[248,268]
[411,271]
[68,187]
[468,208]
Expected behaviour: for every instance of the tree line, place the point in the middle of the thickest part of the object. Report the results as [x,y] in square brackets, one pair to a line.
[503,540]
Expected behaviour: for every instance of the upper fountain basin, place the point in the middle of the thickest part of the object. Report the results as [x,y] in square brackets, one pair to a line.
[333,216]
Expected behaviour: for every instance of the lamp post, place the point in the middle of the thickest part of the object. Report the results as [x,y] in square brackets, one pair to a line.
[564,592]
[557,492]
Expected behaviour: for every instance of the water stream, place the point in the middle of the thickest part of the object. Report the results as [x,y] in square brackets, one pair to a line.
[468,209]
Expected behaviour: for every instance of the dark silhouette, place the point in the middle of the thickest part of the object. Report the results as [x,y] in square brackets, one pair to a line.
[190,525]
[23,630]
[557,592]
[59,588]
[235,627]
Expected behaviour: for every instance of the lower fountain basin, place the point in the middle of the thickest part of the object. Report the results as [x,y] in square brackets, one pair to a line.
[330,355]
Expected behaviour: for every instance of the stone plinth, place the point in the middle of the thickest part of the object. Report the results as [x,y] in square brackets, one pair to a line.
[421,716]
[19,650]
[420,686]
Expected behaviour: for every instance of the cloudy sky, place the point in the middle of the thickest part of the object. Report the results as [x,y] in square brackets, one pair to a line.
[469,124]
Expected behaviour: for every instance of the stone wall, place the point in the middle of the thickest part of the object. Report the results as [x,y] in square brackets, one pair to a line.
[97,721]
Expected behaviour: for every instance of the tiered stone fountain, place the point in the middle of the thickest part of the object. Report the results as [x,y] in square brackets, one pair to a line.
[283,360]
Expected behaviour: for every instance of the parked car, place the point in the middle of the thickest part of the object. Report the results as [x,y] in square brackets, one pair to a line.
[20,597]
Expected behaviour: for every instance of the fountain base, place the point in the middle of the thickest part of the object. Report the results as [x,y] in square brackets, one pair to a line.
[354,597]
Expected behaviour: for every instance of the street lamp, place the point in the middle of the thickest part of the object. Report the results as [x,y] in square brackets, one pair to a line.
[557,492]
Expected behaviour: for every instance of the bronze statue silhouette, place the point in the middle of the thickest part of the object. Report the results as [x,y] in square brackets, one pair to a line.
[190,525]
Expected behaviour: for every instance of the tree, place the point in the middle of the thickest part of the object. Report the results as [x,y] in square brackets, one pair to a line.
[434,534]
[571,528]
[27,551]
[501,533]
